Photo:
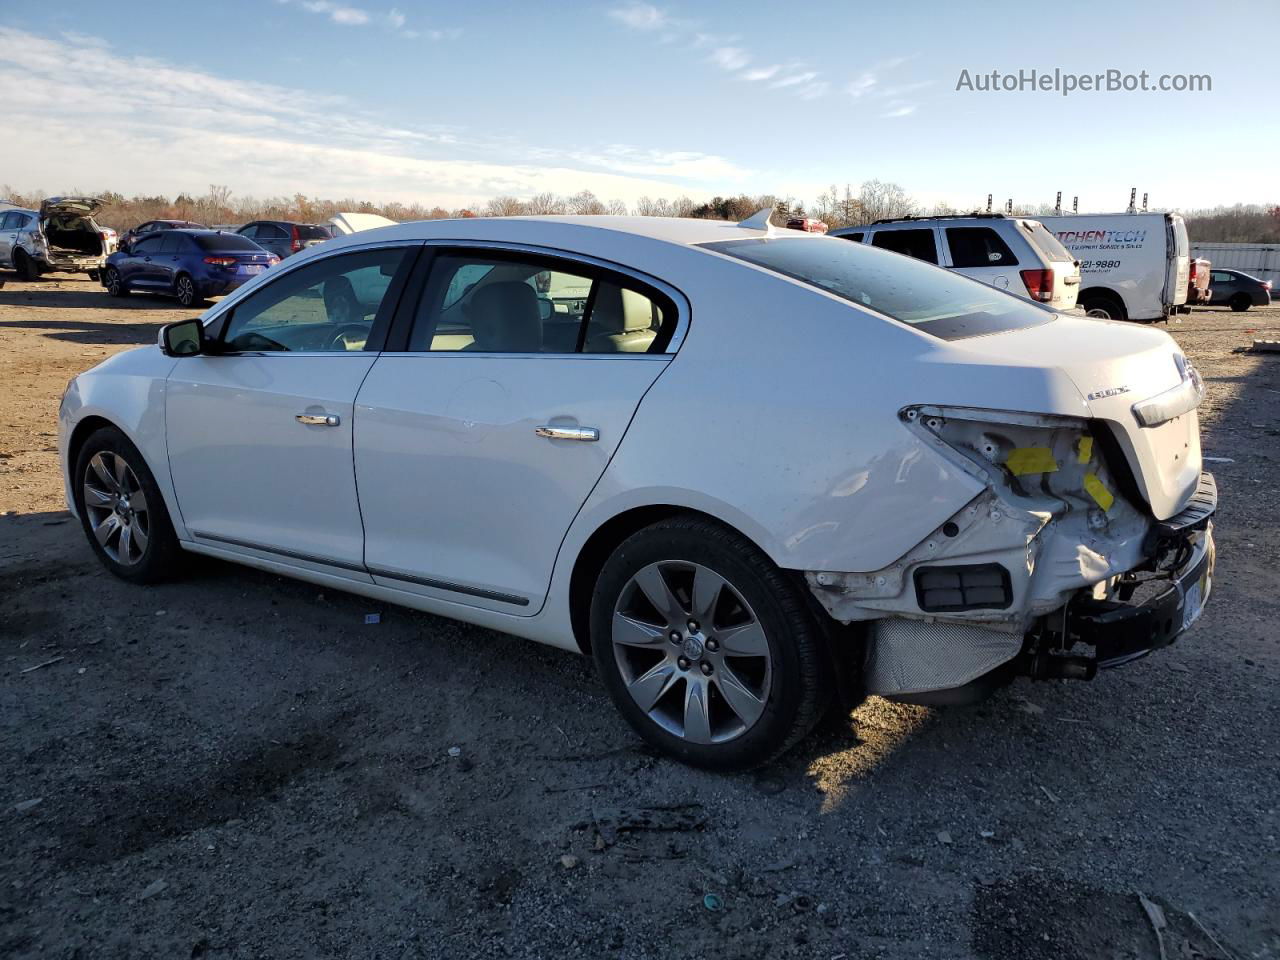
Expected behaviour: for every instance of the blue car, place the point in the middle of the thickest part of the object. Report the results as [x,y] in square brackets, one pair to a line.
[188,264]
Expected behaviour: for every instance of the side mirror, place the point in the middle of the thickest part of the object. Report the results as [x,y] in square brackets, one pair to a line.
[185,338]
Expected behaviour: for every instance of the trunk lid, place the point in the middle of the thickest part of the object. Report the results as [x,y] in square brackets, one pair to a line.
[1117,367]
[82,206]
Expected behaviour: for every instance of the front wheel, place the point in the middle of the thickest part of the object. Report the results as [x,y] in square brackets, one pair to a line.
[708,650]
[122,510]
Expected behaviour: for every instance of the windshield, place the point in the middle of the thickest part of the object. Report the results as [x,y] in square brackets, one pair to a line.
[934,300]
[1045,241]
[225,241]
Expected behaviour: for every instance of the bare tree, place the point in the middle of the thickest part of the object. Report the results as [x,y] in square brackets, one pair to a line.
[617,208]
[881,200]
[505,207]
[585,203]
[543,204]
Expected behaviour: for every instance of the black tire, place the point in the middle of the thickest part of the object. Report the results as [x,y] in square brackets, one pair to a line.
[184,288]
[1102,306]
[95,276]
[161,557]
[1241,302]
[800,689]
[28,270]
[114,284]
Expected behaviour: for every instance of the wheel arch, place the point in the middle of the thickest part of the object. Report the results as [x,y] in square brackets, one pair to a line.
[603,541]
[1106,293]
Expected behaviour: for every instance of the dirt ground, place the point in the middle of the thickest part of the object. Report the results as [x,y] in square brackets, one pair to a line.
[237,766]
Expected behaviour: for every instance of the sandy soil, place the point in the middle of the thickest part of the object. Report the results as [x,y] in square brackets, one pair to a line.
[236,766]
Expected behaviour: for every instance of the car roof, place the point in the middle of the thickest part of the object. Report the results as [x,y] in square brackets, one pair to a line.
[587,233]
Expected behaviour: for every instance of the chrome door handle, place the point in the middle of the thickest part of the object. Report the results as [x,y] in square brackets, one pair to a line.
[589,434]
[318,419]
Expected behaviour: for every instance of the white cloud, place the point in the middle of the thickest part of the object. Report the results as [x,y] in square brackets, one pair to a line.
[139,125]
[860,85]
[730,58]
[761,73]
[898,108]
[395,19]
[794,80]
[338,13]
[641,16]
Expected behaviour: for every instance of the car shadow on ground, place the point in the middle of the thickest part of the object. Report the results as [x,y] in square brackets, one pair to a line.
[88,333]
[94,298]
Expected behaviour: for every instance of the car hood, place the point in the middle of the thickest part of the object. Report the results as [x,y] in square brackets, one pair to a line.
[1117,366]
[84,206]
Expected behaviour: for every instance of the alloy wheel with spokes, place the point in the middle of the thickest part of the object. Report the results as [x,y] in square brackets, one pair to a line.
[691,651]
[117,508]
[186,290]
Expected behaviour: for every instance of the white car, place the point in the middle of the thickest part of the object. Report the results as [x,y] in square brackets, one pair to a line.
[745,468]
[1010,253]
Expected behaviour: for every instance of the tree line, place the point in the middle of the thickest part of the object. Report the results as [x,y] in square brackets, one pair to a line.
[872,200]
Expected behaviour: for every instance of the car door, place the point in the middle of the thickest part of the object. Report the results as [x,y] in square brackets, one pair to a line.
[167,261]
[259,429]
[1223,286]
[981,253]
[8,235]
[477,445]
[136,269]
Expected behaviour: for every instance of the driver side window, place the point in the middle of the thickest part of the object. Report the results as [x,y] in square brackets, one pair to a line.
[329,306]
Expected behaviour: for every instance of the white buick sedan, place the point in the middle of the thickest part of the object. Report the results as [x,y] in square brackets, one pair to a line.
[749,471]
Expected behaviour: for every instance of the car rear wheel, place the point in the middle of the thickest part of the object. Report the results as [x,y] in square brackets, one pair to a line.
[708,650]
[122,510]
[114,284]
[1241,302]
[25,266]
[184,289]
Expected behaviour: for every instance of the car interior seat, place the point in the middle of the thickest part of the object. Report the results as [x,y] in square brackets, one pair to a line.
[505,318]
[622,321]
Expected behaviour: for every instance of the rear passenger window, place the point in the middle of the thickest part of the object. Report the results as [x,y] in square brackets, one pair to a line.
[855,237]
[914,243]
[170,242]
[498,304]
[622,321]
[978,247]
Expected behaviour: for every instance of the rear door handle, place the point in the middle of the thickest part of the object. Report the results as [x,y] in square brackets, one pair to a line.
[588,434]
[318,419]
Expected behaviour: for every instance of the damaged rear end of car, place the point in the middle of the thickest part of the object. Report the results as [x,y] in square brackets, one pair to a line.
[71,240]
[1089,545]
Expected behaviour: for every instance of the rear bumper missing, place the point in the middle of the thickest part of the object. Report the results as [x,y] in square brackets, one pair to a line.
[1120,631]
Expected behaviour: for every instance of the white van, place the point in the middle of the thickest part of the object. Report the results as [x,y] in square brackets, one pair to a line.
[1135,266]
[1010,253]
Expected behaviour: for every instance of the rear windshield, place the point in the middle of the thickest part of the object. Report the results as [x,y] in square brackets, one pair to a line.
[931,299]
[225,241]
[309,231]
[1044,241]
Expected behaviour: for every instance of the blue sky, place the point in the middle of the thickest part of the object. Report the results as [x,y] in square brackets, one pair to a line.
[456,103]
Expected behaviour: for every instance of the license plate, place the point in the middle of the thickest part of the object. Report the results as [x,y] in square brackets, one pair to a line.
[1198,593]
[251,268]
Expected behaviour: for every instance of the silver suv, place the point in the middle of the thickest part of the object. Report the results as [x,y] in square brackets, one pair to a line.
[62,235]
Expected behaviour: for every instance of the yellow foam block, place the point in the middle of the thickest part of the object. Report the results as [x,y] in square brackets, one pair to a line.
[1085,450]
[1096,489]
[1026,460]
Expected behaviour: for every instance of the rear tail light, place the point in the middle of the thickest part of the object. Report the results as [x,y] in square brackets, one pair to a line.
[272,260]
[1266,284]
[1039,284]
[295,241]
[222,261]
[1193,269]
